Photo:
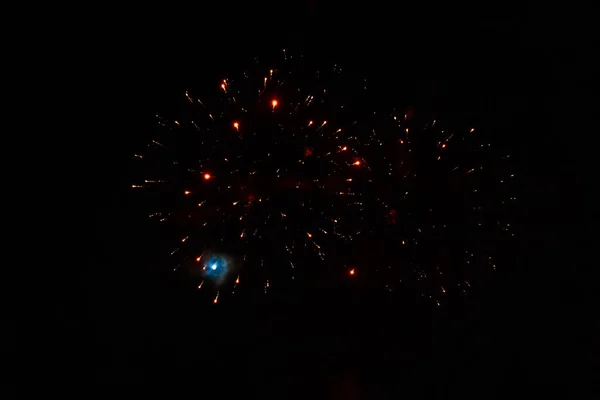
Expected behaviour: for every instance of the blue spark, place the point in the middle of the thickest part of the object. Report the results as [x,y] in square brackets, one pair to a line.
[218,267]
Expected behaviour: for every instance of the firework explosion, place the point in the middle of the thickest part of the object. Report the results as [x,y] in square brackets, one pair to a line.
[289,174]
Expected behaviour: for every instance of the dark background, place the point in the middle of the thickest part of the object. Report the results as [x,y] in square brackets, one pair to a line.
[521,73]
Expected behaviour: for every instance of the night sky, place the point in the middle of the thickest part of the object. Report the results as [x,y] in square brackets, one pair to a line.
[472,309]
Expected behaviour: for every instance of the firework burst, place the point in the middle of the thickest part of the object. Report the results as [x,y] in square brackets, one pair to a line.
[286,174]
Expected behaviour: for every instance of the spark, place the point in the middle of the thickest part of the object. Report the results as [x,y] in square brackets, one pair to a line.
[216,300]
[207,177]
[236,125]
[352,271]
[200,285]
[187,192]
[274,103]
[472,130]
[357,163]
[199,257]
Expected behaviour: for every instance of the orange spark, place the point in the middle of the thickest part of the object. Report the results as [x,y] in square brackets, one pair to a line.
[444,146]
[308,234]
[357,163]
[237,280]
[199,258]
[344,148]
[236,125]
[352,271]
[207,177]
[187,192]
[472,130]
[310,123]
[274,104]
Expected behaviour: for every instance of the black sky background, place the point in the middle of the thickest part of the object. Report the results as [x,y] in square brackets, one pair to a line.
[520,73]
